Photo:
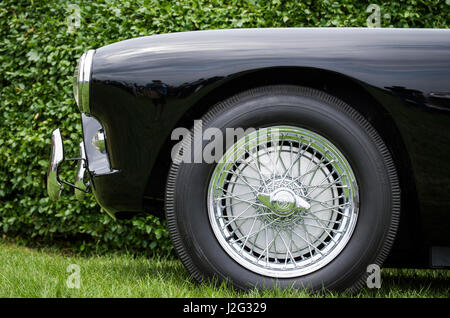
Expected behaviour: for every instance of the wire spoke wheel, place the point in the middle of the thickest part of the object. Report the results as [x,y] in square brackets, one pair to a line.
[283,201]
[309,199]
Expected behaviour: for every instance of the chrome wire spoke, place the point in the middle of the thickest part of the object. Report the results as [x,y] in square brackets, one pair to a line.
[288,251]
[315,238]
[266,226]
[253,203]
[261,178]
[326,229]
[257,235]
[310,218]
[295,161]
[326,186]
[327,207]
[307,241]
[257,168]
[232,233]
[322,203]
[248,235]
[334,207]
[323,189]
[242,218]
[246,182]
[236,217]
[268,246]
[247,177]
[314,171]
[307,234]
[300,178]
[279,155]
[273,168]
[232,196]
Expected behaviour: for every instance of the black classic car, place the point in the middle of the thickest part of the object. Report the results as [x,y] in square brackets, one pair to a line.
[281,157]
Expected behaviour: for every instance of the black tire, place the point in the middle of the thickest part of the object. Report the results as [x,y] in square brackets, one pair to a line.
[379,191]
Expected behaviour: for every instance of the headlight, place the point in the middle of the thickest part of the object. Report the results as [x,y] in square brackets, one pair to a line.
[82,79]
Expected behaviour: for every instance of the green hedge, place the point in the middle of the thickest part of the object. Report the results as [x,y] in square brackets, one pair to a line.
[37,59]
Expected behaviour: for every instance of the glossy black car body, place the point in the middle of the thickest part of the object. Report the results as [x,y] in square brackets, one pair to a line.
[399,79]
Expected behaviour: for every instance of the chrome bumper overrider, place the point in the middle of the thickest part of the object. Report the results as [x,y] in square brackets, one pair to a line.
[55,184]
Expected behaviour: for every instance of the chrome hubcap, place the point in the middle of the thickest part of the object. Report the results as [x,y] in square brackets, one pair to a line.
[283,201]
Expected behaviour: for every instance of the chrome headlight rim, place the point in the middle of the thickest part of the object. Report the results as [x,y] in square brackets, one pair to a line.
[81,81]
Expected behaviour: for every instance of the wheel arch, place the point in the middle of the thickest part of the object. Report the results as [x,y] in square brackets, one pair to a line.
[357,94]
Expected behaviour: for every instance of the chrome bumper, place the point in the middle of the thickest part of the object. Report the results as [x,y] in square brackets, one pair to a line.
[55,184]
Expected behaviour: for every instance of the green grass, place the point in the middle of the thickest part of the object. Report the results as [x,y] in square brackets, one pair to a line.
[28,272]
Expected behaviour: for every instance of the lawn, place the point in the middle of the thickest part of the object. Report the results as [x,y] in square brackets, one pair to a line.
[26,272]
